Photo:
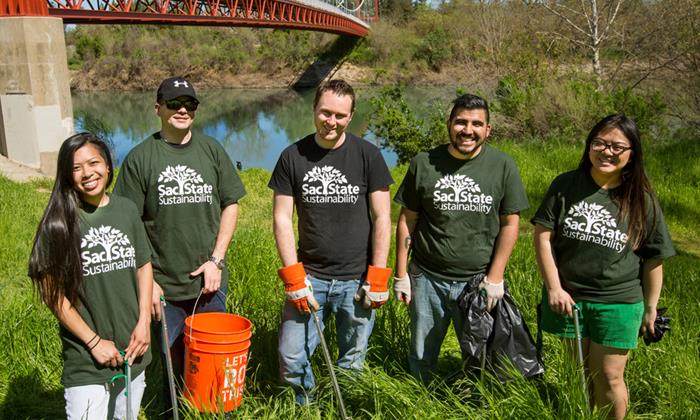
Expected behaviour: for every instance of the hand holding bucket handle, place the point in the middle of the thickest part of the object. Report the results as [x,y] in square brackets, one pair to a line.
[374,292]
[196,302]
[298,287]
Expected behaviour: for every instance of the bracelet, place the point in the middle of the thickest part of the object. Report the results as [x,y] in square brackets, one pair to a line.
[96,343]
[88,343]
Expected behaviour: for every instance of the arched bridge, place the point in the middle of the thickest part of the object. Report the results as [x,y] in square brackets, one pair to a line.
[312,15]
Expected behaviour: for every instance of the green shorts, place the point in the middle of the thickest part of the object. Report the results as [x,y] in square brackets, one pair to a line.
[614,325]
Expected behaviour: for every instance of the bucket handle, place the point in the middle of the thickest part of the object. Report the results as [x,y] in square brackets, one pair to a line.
[194,308]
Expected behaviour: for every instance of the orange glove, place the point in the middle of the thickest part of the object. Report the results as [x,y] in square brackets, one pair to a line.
[374,292]
[298,287]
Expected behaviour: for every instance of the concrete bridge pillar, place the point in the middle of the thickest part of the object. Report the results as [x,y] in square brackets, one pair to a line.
[34,63]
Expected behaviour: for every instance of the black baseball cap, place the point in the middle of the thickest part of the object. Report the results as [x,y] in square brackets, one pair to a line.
[174,87]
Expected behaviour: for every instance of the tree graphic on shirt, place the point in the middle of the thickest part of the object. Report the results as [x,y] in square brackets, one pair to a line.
[180,174]
[458,183]
[593,213]
[107,237]
[326,176]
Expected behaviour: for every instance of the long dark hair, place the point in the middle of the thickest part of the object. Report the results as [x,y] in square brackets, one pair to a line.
[54,265]
[635,189]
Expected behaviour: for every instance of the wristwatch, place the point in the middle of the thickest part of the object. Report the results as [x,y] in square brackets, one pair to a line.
[219,262]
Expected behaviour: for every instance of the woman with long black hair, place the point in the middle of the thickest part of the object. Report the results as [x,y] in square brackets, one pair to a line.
[91,265]
[600,239]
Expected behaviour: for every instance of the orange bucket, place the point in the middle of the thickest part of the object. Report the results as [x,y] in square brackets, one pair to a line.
[216,355]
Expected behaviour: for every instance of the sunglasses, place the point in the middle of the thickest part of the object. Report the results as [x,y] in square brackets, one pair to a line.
[176,104]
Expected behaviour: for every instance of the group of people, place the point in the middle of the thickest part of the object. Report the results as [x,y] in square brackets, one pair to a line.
[103,261]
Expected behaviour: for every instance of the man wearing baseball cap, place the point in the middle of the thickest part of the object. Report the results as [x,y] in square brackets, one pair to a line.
[187,190]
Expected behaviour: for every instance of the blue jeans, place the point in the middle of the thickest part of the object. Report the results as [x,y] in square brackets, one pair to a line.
[298,337]
[433,304]
[175,314]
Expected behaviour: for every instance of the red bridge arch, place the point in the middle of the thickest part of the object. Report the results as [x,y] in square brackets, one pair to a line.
[288,14]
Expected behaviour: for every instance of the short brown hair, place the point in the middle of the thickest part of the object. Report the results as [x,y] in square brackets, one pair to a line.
[339,87]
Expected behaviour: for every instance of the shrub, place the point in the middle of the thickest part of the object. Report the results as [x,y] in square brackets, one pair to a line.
[568,106]
[400,130]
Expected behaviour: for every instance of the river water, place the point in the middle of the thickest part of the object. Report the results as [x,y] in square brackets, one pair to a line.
[253,125]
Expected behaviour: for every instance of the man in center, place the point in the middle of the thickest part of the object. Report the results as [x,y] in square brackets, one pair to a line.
[339,185]
[459,217]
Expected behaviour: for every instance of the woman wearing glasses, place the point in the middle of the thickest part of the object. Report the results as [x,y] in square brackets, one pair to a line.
[91,265]
[600,239]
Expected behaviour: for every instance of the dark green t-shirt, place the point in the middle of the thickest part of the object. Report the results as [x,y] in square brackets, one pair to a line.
[590,244]
[113,244]
[459,204]
[180,192]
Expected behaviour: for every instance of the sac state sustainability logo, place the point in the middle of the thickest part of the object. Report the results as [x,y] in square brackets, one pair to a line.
[461,193]
[326,184]
[106,249]
[182,185]
[591,222]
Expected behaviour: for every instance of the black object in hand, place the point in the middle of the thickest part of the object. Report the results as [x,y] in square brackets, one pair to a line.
[661,325]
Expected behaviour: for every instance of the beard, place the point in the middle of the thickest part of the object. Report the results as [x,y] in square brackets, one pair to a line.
[466,144]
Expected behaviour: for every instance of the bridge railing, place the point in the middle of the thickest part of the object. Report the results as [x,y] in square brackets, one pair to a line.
[293,14]
[333,9]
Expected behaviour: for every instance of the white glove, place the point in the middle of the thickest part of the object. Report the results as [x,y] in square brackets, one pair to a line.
[402,289]
[494,292]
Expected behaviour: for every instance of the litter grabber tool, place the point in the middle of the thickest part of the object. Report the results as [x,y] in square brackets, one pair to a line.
[168,358]
[579,352]
[329,362]
[127,386]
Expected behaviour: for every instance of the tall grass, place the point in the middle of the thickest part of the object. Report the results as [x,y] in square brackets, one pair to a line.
[663,378]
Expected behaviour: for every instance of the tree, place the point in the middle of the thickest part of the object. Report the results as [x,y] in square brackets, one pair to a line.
[458,183]
[593,213]
[106,236]
[400,129]
[397,10]
[590,26]
[326,176]
[180,174]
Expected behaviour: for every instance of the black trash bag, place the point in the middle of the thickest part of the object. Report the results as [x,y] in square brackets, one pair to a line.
[502,334]
[478,325]
[662,324]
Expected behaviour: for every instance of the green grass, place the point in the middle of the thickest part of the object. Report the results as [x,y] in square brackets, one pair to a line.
[663,379]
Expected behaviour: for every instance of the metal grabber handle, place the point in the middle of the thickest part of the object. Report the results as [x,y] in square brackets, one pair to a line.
[168,358]
[329,362]
[579,351]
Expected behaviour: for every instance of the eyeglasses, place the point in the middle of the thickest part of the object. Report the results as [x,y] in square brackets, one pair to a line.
[615,148]
[175,104]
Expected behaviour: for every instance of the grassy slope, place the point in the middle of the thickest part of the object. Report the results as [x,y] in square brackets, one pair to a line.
[663,378]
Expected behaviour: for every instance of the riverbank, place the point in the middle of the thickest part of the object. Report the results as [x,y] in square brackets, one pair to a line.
[281,78]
